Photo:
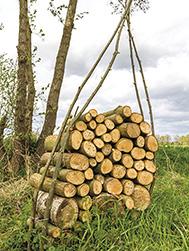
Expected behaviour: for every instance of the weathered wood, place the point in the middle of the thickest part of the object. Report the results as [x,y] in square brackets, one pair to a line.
[150,166]
[151,143]
[84,203]
[105,201]
[93,113]
[104,167]
[129,130]
[128,186]
[124,145]
[88,135]
[131,173]
[100,130]
[106,137]
[80,125]
[115,133]
[118,171]
[107,149]
[136,118]
[116,118]
[82,190]
[92,124]
[127,160]
[144,178]
[89,174]
[127,201]
[99,157]
[139,165]
[115,155]
[145,128]
[113,186]
[138,153]
[141,197]
[100,178]
[85,216]
[63,189]
[109,124]
[95,187]
[100,118]
[140,141]
[88,148]
[99,143]
[149,155]
[92,162]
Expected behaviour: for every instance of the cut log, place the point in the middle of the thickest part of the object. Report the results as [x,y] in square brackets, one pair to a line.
[84,203]
[72,176]
[124,111]
[100,130]
[116,118]
[74,140]
[107,149]
[118,171]
[149,155]
[86,117]
[92,162]
[63,213]
[85,216]
[104,167]
[89,174]
[88,135]
[145,178]
[150,166]
[115,134]
[113,186]
[99,157]
[151,143]
[136,118]
[88,148]
[99,143]
[138,153]
[127,201]
[49,143]
[83,190]
[63,189]
[145,128]
[100,178]
[100,118]
[95,187]
[124,145]
[106,137]
[106,201]
[128,186]
[92,124]
[139,165]
[80,125]
[129,130]
[141,197]
[140,141]
[109,124]
[75,161]
[127,160]
[131,173]
[115,155]
[93,113]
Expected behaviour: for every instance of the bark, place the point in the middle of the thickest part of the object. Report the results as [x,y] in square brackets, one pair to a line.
[52,102]
[2,128]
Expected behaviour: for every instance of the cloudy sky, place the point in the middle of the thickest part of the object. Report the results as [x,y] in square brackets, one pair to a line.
[161,35]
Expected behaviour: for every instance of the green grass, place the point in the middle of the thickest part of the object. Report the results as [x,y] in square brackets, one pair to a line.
[163,227]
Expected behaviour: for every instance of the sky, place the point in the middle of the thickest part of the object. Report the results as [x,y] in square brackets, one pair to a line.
[161,36]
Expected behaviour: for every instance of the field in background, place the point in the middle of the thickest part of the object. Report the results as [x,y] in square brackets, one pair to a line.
[163,227]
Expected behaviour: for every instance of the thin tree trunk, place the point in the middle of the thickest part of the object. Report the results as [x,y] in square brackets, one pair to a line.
[2,128]
[52,102]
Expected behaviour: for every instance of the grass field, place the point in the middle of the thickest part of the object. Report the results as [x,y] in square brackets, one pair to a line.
[163,227]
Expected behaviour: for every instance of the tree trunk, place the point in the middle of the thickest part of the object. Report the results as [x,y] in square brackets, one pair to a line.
[2,128]
[52,102]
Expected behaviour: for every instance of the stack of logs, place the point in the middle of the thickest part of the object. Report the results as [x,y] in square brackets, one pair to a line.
[108,158]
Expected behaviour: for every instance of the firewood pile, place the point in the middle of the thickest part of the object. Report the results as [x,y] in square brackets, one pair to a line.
[109,157]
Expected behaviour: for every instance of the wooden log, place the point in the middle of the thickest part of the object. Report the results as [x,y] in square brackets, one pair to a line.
[100,178]
[141,197]
[127,160]
[145,178]
[84,203]
[140,141]
[116,118]
[138,153]
[115,134]
[86,117]
[88,135]
[145,128]
[139,165]
[99,143]
[104,167]
[83,190]
[109,124]
[131,173]
[113,186]
[89,174]
[100,130]
[129,130]
[88,148]
[136,118]
[63,189]
[85,216]
[124,111]
[149,155]
[115,155]
[92,162]
[150,166]
[92,124]
[100,118]
[118,171]
[127,201]
[93,113]
[80,125]
[69,175]
[99,157]
[106,137]
[124,145]
[95,187]
[151,143]
[107,149]
[75,161]
[128,186]
[63,213]
[50,142]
